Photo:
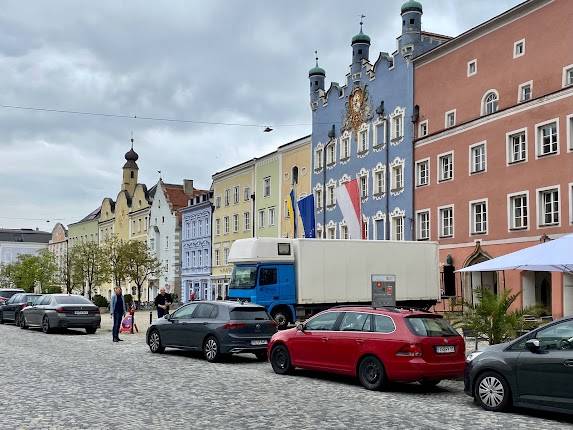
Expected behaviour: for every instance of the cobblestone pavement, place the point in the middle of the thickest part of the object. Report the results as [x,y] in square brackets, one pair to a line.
[76,381]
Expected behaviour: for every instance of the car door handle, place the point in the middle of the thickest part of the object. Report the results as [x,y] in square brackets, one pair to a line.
[324,339]
[568,363]
[359,341]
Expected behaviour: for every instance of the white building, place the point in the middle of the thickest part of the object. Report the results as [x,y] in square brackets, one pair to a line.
[15,242]
[165,231]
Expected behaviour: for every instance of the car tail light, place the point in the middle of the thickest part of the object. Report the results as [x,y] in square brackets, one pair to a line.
[60,310]
[234,326]
[410,350]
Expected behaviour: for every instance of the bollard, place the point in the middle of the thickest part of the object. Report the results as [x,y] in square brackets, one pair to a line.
[150,317]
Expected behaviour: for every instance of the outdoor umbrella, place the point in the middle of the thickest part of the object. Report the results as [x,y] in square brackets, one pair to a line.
[553,256]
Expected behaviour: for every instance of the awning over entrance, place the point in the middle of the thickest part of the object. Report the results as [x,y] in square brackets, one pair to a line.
[553,256]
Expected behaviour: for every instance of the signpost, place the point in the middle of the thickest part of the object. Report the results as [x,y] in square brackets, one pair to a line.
[383,290]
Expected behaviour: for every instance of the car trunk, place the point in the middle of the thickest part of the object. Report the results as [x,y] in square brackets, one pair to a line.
[78,310]
[439,341]
[251,322]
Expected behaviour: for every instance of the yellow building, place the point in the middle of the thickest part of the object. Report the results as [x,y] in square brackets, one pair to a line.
[232,217]
[128,216]
[295,166]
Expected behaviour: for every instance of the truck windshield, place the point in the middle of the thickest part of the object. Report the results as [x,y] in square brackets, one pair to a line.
[243,277]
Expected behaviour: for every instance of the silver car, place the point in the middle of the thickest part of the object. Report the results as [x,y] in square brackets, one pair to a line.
[53,311]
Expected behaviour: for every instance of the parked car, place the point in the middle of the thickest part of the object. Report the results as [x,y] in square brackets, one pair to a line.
[53,311]
[10,311]
[533,371]
[376,345]
[6,293]
[214,327]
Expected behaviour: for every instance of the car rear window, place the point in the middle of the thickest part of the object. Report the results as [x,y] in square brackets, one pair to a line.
[8,294]
[430,326]
[249,314]
[72,300]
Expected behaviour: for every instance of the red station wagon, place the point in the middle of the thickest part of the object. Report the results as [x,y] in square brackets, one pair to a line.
[375,345]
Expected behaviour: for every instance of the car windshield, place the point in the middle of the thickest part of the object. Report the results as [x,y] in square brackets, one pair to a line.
[243,277]
[249,314]
[72,300]
[430,326]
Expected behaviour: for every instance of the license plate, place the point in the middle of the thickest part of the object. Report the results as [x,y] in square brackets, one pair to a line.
[445,349]
[259,342]
[80,312]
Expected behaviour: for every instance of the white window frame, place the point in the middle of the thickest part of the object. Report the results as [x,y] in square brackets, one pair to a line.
[330,196]
[509,147]
[365,227]
[570,203]
[226,225]
[318,196]
[247,220]
[483,108]
[261,218]
[217,202]
[343,230]
[394,185]
[267,185]
[426,211]
[379,216]
[520,88]
[217,257]
[419,162]
[515,45]
[247,194]
[318,157]
[382,171]
[422,124]
[236,194]
[471,158]
[446,116]
[363,174]
[236,223]
[330,149]
[439,169]
[227,197]
[393,220]
[363,130]
[345,138]
[473,230]
[539,205]
[397,114]
[569,131]
[440,226]
[272,216]
[566,69]
[468,71]
[379,123]
[538,141]
[510,219]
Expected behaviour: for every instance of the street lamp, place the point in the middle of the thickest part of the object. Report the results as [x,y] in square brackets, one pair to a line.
[331,136]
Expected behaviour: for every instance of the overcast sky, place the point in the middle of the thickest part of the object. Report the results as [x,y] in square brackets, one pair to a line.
[218,61]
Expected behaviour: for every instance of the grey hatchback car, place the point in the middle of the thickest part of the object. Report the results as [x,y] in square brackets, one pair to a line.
[214,327]
[533,371]
[53,311]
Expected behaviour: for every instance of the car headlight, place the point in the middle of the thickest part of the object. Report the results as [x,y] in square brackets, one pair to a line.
[472,356]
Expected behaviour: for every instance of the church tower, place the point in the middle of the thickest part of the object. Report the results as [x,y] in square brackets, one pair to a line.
[411,27]
[316,77]
[130,170]
[360,49]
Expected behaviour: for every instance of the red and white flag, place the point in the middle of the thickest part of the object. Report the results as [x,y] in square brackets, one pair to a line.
[348,199]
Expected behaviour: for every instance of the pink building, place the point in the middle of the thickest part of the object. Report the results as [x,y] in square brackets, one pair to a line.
[494,147]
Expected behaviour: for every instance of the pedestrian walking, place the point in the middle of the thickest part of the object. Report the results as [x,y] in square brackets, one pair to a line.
[192,297]
[117,309]
[162,302]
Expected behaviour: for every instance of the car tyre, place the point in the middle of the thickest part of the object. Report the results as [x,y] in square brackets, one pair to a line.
[46,325]
[155,345]
[211,349]
[1,318]
[371,373]
[492,392]
[262,356]
[91,330]
[280,360]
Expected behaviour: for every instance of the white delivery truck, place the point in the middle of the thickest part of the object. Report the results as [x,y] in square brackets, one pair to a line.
[295,278]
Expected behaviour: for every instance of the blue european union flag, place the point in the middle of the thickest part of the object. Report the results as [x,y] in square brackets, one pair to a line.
[306,210]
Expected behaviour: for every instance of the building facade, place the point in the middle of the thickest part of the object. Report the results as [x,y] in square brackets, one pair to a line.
[494,148]
[58,246]
[232,217]
[267,195]
[362,130]
[295,174]
[196,248]
[24,241]
[164,233]
[85,230]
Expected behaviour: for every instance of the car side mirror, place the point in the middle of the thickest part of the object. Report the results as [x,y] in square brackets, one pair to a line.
[167,317]
[533,345]
[300,327]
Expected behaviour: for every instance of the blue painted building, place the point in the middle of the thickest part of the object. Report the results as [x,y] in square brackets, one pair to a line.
[363,129]
[196,248]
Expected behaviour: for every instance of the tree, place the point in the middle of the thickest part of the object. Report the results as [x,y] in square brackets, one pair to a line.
[490,317]
[90,266]
[116,253]
[31,271]
[141,264]
[66,274]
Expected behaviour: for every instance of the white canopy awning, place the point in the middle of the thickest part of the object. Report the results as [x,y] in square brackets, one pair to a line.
[553,256]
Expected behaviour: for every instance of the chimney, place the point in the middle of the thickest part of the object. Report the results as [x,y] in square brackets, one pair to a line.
[188,186]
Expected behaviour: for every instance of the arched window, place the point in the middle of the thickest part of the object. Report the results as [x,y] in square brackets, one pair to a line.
[490,103]
[295,175]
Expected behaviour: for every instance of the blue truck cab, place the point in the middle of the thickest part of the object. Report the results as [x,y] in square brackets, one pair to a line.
[265,276]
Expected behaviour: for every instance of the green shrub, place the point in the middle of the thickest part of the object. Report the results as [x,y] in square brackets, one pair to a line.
[100,301]
[128,299]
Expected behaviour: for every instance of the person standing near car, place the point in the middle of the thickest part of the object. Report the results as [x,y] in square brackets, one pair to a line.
[117,309]
[162,302]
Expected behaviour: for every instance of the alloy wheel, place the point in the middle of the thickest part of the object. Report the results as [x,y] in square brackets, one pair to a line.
[154,342]
[211,349]
[45,325]
[491,391]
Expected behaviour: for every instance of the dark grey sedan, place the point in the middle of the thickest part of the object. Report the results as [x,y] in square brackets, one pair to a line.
[12,309]
[534,371]
[215,328]
[53,311]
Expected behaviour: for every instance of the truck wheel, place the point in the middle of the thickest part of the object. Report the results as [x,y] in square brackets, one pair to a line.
[282,318]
